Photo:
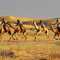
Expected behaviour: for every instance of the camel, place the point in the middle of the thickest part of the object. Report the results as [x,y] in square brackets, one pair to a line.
[6,27]
[42,26]
[19,28]
[36,28]
[45,29]
[57,29]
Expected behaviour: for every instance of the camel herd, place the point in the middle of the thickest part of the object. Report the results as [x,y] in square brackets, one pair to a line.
[19,28]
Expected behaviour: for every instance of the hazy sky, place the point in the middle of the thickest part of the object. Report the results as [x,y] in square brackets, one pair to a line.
[7,7]
[30,8]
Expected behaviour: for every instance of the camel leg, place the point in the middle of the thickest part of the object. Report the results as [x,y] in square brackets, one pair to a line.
[11,36]
[35,36]
[35,39]
[9,32]
[59,36]
[56,34]
[25,36]
[0,32]
[47,34]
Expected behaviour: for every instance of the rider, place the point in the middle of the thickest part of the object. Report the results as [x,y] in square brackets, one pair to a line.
[41,23]
[58,24]
[6,26]
[20,24]
[36,27]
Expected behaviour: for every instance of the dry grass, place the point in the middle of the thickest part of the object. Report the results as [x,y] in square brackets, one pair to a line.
[28,36]
[36,51]
[44,48]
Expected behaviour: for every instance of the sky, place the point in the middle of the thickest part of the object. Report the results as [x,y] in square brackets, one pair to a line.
[30,8]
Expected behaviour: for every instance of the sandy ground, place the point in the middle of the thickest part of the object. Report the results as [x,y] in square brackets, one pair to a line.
[43,48]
